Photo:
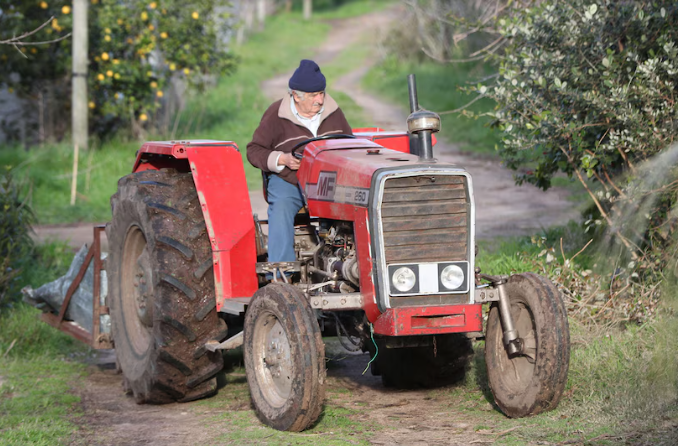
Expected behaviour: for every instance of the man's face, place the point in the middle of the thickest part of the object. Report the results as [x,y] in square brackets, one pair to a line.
[311,104]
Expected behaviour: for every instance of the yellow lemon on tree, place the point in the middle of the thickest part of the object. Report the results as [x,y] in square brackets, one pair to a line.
[163,35]
[144,15]
[43,5]
[154,84]
[186,71]
[100,77]
[151,27]
[159,94]
[66,9]
[143,117]
[172,66]
[107,38]
[119,21]
[116,75]
[104,56]
[109,73]
[116,61]
[91,104]
[153,5]
[195,15]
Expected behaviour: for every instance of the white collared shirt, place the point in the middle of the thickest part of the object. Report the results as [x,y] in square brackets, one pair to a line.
[310,123]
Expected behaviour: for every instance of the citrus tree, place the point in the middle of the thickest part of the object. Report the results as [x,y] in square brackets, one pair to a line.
[135,49]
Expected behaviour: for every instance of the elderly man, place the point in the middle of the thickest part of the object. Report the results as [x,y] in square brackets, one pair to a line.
[305,112]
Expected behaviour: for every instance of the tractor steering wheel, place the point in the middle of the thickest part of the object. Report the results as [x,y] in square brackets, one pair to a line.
[317,138]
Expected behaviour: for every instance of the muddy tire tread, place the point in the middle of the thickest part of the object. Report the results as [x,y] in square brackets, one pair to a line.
[176,367]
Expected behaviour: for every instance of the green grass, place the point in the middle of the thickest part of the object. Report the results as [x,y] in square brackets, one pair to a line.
[38,364]
[438,90]
[334,10]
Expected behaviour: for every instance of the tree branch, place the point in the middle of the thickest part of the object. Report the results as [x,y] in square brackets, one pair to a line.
[17,41]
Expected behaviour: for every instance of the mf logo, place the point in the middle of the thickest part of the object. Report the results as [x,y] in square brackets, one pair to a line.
[326,185]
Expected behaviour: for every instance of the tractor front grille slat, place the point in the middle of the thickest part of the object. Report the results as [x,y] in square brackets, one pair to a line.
[423,236]
[423,222]
[426,192]
[424,252]
[423,207]
[425,219]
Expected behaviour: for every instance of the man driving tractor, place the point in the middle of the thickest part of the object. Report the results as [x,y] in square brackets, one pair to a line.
[307,111]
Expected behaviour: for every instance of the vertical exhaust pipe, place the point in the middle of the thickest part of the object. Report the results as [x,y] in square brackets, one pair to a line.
[414,106]
[421,124]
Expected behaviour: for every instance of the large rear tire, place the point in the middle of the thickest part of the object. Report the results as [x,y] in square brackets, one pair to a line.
[284,358]
[531,382]
[161,289]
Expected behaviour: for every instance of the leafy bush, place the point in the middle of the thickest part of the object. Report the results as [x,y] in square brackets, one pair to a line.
[587,88]
[15,241]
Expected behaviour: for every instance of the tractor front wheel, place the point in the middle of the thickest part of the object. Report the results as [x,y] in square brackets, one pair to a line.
[532,381]
[161,289]
[284,358]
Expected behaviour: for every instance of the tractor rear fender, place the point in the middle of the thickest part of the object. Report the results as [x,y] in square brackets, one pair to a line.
[219,178]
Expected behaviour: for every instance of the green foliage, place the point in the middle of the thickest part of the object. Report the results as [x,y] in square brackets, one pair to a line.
[586,86]
[439,89]
[36,401]
[136,48]
[16,219]
[48,171]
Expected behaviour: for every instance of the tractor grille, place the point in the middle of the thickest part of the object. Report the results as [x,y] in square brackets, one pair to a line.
[425,219]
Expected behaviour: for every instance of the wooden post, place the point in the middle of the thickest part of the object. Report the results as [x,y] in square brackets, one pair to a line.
[79,75]
[308,9]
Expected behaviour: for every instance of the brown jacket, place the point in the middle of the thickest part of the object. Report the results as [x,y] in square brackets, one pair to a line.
[279,131]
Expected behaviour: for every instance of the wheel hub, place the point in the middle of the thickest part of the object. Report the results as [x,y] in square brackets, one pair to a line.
[143,289]
[277,359]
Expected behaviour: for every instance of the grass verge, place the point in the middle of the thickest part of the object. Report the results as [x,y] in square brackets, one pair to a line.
[38,364]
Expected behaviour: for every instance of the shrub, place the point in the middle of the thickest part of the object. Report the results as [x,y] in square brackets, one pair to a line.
[587,88]
[15,241]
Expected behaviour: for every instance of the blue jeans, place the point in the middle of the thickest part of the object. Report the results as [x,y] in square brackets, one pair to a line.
[284,201]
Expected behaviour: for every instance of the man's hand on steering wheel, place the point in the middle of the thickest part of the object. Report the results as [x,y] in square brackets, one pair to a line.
[297,154]
[289,160]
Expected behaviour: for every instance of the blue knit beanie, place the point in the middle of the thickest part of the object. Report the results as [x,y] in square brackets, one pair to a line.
[307,77]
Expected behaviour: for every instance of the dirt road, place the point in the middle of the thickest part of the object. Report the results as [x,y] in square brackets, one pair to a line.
[359,409]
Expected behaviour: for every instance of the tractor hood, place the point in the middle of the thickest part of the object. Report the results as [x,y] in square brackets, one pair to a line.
[335,175]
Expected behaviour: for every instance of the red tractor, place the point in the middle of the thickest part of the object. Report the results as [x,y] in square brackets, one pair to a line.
[385,257]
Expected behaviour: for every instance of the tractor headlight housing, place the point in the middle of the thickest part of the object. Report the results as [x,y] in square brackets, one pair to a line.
[452,277]
[404,279]
[429,278]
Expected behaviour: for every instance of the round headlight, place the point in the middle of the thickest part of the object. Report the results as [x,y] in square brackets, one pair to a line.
[452,277]
[404,279]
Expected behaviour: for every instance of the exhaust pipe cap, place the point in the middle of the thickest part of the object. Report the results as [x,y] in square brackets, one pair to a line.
[421,120]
